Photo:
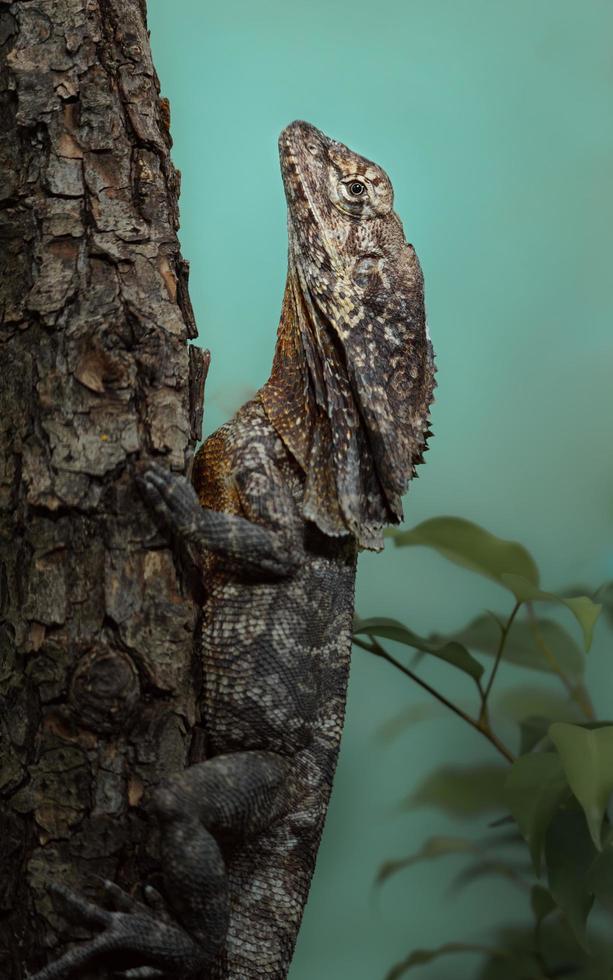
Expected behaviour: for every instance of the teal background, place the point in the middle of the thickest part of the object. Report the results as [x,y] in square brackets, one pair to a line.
[493,121]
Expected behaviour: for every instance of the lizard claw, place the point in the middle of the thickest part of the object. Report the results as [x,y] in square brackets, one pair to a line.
[78,909]
[120,900]
[140,973]
[163,948]
[153,899]
[124,902]
[172,498]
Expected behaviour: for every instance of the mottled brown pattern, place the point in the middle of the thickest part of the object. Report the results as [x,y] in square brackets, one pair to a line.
[285,494]
[212,475]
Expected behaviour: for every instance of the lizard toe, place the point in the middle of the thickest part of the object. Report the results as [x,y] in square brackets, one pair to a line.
[154,946]
[140,973]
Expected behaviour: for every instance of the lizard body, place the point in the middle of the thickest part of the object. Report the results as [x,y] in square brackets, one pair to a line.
[286,493]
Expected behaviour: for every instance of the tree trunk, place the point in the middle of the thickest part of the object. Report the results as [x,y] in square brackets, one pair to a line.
[97,670]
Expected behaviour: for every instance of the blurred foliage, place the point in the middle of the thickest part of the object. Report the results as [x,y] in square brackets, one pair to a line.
[552,796]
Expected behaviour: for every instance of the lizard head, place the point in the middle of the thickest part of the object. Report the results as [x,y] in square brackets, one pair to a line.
[341,217]
[354,312]
[325,182]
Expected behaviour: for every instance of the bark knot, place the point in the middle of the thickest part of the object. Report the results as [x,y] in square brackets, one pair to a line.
[105,689]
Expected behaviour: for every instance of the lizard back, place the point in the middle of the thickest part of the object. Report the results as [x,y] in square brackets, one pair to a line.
[275,668]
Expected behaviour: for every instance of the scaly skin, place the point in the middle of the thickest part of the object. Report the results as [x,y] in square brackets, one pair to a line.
[286,493]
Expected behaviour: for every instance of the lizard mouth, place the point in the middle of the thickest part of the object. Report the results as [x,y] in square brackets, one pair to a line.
[303,150]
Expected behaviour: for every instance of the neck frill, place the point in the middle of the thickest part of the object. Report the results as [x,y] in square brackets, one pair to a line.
[329,425]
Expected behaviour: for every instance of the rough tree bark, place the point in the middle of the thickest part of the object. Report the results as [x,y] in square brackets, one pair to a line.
[97,670]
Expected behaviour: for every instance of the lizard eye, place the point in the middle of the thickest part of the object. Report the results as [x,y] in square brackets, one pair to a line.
[353,194]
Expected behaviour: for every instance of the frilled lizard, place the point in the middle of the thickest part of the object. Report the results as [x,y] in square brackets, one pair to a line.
[284,496]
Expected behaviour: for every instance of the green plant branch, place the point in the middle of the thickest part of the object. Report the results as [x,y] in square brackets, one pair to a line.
[499,654]
[480,724]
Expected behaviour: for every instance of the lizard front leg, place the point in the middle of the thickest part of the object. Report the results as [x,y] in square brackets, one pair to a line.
[228,797]
[263,548]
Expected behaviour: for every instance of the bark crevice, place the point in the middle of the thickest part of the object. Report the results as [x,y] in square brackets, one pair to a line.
[98,683]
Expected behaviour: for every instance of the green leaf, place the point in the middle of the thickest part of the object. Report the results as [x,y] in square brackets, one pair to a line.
[449,651]
[532,730]
[604,595]
[514,873]
[472,547]
[462,791]
[600,877]
[522,646]
[585,611]
[542,903]
[433,848]
[587,758]
[509,838]
[562,955]
[420,957]
[534,789]
[502,822]
[535,729]
[569,853]
[532,700]
[534,708]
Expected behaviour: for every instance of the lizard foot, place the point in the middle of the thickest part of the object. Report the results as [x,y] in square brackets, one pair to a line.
[172,498]
[149,943]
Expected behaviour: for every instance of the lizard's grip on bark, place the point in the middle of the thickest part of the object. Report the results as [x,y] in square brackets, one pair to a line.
[249,544]
[157,943]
